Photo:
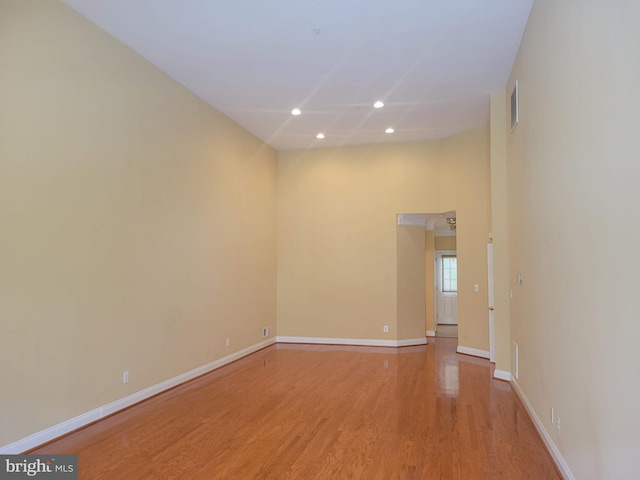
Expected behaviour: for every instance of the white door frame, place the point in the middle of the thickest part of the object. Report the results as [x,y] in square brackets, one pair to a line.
[490,299]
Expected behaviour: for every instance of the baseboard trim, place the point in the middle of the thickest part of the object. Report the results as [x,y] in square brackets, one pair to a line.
[559,460]
[431,333]
[60,429]
[475,352]
[502,375]
[366,342]
[410,342]
[51,433]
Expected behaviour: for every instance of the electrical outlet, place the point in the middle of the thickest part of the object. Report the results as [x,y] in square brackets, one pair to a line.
[125,377]
[558,423]
[385,329]
[227,342]
[265,332]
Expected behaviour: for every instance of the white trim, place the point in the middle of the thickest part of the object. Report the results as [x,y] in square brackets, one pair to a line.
[431,333]
[50,433]
[367,342]
[86,418]
[412,219]
[473,351]
[502,375]
[137,397]
[337,341]
[410,342]
[546,438]
[491,302]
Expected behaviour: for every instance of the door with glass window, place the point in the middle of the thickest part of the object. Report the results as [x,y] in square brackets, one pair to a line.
[447,288]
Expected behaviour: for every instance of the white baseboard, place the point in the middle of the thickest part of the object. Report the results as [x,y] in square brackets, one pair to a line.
[411,342]
[50,433]
[546,438]
[502,375]
[473,351]
[431,333]
[86,418]
[367,342]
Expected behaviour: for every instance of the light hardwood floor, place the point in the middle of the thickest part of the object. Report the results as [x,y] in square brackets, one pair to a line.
[447,331]
[323,412]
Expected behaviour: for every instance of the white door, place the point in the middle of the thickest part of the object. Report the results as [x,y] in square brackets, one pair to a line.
[447,288]
[492,315]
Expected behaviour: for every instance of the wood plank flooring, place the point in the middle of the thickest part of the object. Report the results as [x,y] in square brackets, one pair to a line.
[323,412]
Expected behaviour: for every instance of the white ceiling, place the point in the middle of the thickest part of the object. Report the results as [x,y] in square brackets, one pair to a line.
[433,62]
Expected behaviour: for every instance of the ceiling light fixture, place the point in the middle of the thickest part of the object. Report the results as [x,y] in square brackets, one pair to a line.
[378,104]
[320,136]
[389,130]
[296,112]
[452,223]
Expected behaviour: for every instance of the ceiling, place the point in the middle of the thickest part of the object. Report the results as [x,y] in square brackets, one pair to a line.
[433,63]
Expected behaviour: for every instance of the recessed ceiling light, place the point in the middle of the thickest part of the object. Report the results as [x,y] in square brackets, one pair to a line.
[320,136]
[378,104]
[296,111]
[389,130]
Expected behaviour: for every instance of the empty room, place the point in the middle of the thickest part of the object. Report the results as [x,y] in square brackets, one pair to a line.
[319,240]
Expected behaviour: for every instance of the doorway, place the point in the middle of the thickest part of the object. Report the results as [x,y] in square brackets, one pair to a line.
[439,237]
[446,293]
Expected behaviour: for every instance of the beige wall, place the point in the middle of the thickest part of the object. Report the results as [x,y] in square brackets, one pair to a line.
[573,175]
[445,243]
[411,282]
[465,188]
[138,223]
[500,232]
[337,232]
[429,268]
